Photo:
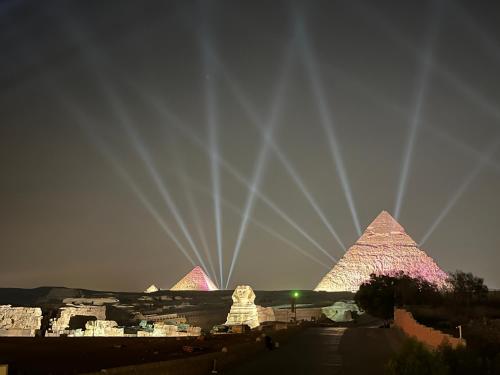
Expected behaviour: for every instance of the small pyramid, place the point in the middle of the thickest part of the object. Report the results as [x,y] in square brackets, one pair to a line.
[384,249]
[152,289]
[197,279]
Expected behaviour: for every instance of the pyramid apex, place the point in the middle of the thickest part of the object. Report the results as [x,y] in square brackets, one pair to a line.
[385,223]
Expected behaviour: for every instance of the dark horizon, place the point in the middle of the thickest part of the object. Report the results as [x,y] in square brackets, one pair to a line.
[119,124]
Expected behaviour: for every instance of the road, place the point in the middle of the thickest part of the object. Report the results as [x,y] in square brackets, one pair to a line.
[313,351]
[328,350]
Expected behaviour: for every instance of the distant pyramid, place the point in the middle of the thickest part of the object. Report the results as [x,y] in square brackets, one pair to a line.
[197,279]
[153,288]
[384,248]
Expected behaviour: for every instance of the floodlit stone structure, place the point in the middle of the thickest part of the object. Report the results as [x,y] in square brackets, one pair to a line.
[243,311]
[103,328]
[99,301]
[342,311]
[152,289]
[265,314]
[61,324]
[196,279]
[162,329]
[19,321]
[383,249]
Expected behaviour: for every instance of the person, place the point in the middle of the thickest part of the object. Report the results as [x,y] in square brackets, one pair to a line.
[268,341]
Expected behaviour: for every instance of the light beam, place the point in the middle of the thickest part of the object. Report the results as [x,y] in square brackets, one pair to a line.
[104,149]
[416,117]
[210,108]
[262,226]
[278,100]
[468,180]
[326,117]
[293,173]
[193,137]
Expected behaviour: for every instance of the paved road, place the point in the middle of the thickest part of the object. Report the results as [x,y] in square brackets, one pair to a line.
[313,351]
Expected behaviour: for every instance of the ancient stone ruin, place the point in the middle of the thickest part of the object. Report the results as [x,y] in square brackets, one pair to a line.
[61,325]
[342,311]
[383,249]
[19,321]
[103,328]
[196,279]
[265,314]
[243,311]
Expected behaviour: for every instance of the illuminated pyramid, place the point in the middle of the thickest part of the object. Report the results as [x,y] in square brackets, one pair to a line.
[197,279]
[384,248]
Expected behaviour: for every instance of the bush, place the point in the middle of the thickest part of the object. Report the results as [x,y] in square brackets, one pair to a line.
[415,359]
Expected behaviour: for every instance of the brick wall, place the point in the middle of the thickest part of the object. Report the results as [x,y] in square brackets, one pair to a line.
[429,336]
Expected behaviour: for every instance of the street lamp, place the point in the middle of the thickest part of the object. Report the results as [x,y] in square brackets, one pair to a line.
[295,296]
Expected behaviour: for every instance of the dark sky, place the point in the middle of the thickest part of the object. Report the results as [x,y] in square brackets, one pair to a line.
[109,110]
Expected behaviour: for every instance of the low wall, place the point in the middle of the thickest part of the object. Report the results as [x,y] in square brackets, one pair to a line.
[429,336]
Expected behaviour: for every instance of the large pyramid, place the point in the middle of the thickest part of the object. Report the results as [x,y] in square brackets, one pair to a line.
[384,248]
[197,279]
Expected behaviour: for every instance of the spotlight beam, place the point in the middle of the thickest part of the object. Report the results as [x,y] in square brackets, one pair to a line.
[152,170]
[262,226]
[327,123]
[489,43]
[195,213]
[137,143]
[469,179]
[193,137]
[104,149]
[292,172]
[210,108]
[262,156]
[416,117]
[433,129]
[479,99]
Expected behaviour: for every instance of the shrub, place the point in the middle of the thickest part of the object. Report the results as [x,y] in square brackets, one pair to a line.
[415,359]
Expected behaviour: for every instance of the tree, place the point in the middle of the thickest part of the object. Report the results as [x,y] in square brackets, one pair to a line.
[465,287]
[381,293]
[376,296]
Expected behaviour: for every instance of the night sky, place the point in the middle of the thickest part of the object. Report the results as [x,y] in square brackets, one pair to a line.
[121,120]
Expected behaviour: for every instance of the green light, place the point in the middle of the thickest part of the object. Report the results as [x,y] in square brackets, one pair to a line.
[295,294]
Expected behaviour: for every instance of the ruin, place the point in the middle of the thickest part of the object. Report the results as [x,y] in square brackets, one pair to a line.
[243,310]
[103,328]
[19,321]
[342,311]
[196,279]
[265,314]
[383,249]
[61,325]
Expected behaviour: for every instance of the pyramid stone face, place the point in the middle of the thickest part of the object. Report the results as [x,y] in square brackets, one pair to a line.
[197,279]
[383,249]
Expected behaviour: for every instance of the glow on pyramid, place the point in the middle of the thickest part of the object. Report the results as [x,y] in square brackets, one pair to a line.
[383,249]
[196,279]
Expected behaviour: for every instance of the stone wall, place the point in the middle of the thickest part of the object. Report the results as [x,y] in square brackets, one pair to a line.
[19,321]
[161,329]
[62,323]
[307,314]
[266,314]
[103,328]
[429,336]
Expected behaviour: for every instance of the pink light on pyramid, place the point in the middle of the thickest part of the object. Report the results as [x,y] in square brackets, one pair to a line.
[384,249]
[196,279]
